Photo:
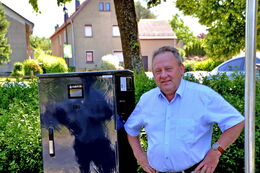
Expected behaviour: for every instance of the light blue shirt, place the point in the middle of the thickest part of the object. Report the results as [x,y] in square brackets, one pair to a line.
[180,132]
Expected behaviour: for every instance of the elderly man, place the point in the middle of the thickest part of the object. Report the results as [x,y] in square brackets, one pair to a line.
[178,117]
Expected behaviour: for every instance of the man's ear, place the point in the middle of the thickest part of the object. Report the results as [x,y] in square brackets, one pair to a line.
[182,68]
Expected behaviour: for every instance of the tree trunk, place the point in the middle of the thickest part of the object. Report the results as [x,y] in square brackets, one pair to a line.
[126,18]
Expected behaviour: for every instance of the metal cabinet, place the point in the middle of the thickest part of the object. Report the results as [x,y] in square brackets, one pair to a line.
[82,116]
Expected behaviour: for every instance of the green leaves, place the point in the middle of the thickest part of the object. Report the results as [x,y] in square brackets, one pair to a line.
[226,22]
[142,12]
[142,84]
[182,31]
[20,145]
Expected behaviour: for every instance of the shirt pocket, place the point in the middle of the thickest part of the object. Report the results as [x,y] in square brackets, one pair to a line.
[185,129]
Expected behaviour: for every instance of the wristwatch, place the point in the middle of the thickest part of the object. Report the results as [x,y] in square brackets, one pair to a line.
[216,146]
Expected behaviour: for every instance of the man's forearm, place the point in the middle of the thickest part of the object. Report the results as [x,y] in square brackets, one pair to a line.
[139,154]
[211,160]
[135,145]
[230,135]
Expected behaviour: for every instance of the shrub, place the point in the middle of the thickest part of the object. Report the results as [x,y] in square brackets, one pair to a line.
[182,53]
[189,65]
[107,66]
[206,65]
[71,69]
[196,49]
[32,67]
[142,84]
[109,62]
[18,69]
[52,64]
[20,144]
[18,66]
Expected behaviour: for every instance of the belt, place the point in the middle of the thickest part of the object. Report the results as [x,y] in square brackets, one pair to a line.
[189,170]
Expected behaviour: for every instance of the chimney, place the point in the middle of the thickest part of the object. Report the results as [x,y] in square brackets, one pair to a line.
[56,27]
[77,4]
[66,16]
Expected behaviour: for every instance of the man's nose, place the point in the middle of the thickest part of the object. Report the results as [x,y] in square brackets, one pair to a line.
[163,74]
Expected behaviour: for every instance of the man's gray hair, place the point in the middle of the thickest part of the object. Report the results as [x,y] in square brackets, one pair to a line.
[173,50]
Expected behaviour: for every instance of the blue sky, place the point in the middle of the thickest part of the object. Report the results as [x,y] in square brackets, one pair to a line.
[51,15]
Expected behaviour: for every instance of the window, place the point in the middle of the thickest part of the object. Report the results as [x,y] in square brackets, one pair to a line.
[88,30]
[107,6]
[115,31]
[101,6]
[89,56]
[104,6]
[233,65]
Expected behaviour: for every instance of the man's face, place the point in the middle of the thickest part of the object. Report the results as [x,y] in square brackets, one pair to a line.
[167,72]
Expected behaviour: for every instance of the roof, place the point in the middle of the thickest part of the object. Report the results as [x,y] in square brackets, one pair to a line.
[71,17]
[155,29]
[25,20]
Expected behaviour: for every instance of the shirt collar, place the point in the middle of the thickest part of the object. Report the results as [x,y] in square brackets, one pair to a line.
[180,90]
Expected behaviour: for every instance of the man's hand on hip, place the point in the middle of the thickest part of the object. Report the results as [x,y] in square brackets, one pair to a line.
[143,162]
[210,162]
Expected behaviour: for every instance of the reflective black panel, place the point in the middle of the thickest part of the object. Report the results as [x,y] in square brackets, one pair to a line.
[82,123]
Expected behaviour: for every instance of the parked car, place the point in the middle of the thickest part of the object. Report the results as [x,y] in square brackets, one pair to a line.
[228,67]
[232,65]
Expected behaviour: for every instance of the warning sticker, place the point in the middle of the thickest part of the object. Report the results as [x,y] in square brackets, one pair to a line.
[123,84]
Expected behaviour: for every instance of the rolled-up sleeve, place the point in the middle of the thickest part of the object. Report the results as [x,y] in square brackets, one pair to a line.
[222,112]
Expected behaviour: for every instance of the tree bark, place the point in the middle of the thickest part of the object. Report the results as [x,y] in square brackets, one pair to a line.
[126,18]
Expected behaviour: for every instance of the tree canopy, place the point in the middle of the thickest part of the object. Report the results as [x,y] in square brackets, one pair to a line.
[34,4]
[182,31]
[225,20]
[5,49]
[142,12]
[40,45]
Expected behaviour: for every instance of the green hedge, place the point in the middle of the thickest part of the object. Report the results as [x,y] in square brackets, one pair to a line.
[20,141]
[20,144]
[32,67]
[189,65]
[196,49]
[142,84]
[206,65]
[18,69]
[52,64]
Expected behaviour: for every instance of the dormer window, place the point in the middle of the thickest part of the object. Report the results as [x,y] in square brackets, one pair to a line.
[101,6]
[104,6]
[107,6]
